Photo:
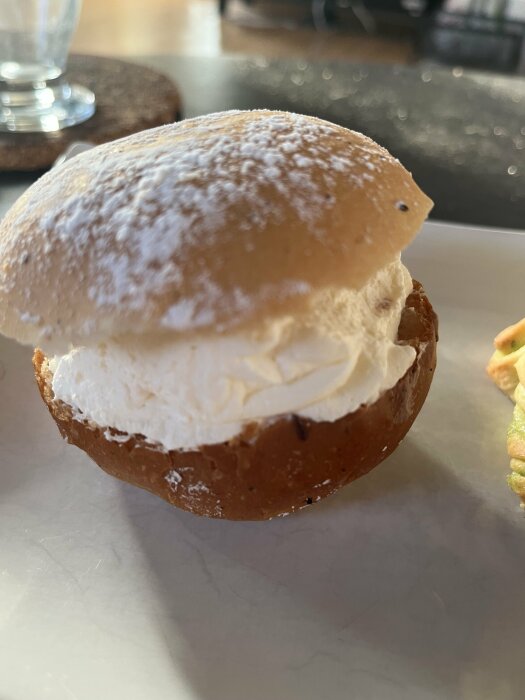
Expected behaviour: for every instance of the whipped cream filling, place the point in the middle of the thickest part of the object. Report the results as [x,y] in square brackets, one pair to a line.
[181,392]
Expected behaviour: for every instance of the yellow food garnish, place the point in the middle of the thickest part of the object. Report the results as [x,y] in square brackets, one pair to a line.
[507,368]
[510,347]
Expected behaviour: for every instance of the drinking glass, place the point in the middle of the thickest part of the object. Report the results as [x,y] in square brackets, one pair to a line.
[35,36]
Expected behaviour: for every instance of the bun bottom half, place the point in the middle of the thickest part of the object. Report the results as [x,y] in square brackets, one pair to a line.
[274,468]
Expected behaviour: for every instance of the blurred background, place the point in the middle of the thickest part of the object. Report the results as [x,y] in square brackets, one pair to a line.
[439,83]
[479,33]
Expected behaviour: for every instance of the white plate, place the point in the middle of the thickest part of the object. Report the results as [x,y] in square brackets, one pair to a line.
[406,585]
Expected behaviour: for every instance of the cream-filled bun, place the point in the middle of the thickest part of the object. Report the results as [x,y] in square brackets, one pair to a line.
[220,309]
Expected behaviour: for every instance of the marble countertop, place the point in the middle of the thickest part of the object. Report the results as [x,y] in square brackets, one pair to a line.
[461,133]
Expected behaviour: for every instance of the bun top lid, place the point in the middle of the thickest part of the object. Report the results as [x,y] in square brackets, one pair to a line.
[204,224]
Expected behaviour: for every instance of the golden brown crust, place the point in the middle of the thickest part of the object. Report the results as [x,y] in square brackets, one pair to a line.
[280,206]
[278,468]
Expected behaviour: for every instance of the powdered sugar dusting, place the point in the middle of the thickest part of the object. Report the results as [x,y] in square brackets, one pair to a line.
[197,489]
[30,318]
[324,483]
[189,314]
[174,479]
[125,189]
[184,315]
[124,218]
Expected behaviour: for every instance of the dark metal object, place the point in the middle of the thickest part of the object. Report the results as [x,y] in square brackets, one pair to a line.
[475,33]
[323,11]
